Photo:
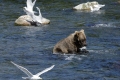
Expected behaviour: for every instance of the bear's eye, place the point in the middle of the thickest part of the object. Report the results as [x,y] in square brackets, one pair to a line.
[83,40]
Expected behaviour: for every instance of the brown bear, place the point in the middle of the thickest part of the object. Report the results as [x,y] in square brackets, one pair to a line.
[72,43]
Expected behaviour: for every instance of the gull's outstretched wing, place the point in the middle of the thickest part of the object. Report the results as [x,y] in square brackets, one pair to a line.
[28,12]
[33,3]
[46,70]
[40,15]
[23,69]
[32,15]
[30,4]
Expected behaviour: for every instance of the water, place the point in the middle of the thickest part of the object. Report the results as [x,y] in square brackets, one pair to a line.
[31,46]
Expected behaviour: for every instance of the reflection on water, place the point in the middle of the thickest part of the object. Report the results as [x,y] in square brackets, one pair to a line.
[30,31]
[32,46]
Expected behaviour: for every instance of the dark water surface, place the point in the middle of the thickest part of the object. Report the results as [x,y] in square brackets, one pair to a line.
[31,46]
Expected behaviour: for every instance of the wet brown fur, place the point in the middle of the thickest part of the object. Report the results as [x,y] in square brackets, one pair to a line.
[72,43]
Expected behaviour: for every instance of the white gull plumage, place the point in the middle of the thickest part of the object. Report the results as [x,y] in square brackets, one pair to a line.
[41,19]
[36,19]
[30,6]
[89,6]
[96,7]
[30,75]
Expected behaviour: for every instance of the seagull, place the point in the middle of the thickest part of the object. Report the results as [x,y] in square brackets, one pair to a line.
[30,75]
[34,21]
[37,18]
[29,11]
[96,7]
[30,6]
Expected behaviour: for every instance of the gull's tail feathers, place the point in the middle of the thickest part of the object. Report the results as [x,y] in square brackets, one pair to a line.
[46,70]
[27,78]
[99,6]
[102,6]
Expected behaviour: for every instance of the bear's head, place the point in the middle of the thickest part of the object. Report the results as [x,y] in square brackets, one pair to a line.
[80,38]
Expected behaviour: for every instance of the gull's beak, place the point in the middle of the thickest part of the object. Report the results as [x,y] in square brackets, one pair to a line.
[24,8]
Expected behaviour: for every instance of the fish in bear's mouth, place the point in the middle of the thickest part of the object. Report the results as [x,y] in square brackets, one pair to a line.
[84,49]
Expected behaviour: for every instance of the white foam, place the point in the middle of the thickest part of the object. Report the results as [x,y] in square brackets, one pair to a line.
[72,56]
[104,25]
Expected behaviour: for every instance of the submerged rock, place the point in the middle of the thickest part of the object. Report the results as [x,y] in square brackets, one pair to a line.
[21,21]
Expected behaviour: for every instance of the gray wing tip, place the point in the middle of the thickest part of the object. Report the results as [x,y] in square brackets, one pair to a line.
[12,62]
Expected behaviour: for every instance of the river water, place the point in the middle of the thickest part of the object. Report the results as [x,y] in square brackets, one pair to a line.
[31,46]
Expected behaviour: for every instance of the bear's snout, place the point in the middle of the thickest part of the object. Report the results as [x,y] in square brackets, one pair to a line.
[85,44]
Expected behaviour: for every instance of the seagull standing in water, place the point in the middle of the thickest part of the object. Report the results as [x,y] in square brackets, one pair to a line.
[30,75]
[96,7]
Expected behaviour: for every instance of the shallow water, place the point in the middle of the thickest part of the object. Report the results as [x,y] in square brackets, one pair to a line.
[31,46]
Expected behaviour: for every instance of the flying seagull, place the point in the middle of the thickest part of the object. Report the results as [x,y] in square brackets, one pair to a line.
[30,6]
[30,75]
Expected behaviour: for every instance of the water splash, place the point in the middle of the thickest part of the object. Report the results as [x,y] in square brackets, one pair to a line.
[74,56]
[104,25]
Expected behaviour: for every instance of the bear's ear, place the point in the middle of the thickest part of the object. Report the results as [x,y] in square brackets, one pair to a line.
[82,30]
[76,33]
